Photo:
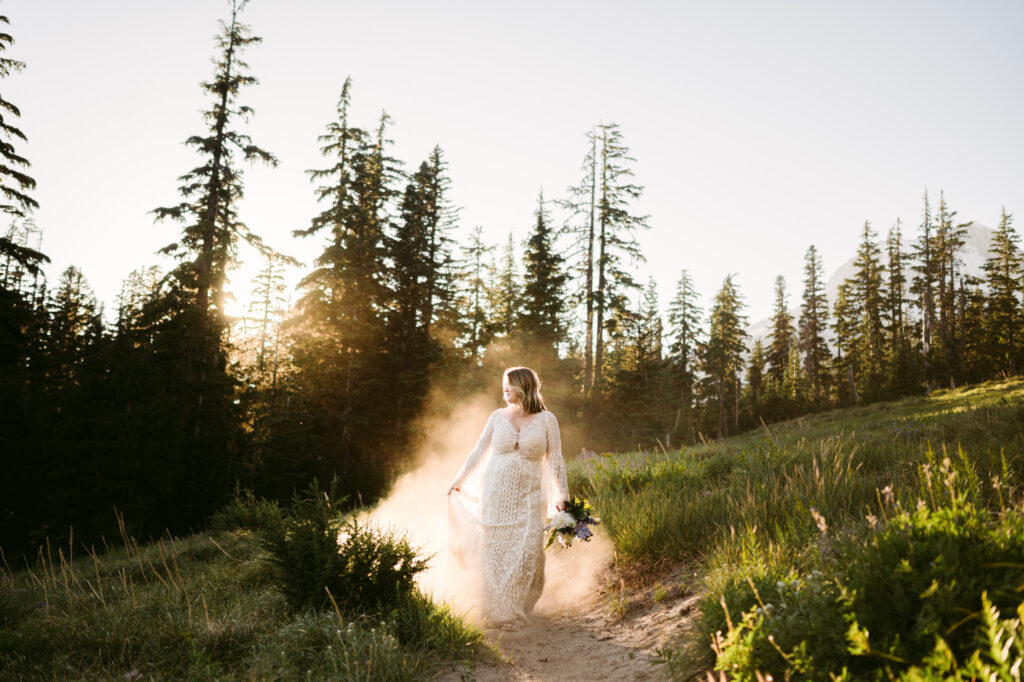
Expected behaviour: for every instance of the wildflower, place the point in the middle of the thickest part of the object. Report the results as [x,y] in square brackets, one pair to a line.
[888,495]
[133,675]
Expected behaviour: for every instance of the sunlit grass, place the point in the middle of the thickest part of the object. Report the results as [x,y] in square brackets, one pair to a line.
[757,506]
[203,607]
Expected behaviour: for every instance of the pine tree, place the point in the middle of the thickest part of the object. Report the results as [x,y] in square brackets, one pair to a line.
[684,318]
[656,390]
[866,298]
[927,268]
[615,235]
[782,332]
[756,376]
[440,221]
[506,291]
[342,330]
[979,347]
[813,323]
[15,184]
[476,274]
[75,326]
[582,231]
[896,291]
[949,238]
[794,385]
[267,307]
[902,365]
[543,285]
[1004,272]
[189,317]
[848,348]
[213,190]
[723,355]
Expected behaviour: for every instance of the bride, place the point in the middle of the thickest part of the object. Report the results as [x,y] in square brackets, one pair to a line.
[526,454]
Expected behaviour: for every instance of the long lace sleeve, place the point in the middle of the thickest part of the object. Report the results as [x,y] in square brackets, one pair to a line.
[476,453]
[554,457]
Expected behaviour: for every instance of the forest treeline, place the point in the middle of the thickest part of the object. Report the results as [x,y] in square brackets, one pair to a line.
[165,405]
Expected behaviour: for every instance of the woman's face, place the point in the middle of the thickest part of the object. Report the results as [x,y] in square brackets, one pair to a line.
[508,393]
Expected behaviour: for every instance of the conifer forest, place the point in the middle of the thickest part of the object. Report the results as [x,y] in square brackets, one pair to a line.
[162,406]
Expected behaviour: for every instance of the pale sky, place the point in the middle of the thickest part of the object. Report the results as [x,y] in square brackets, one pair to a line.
[758,127]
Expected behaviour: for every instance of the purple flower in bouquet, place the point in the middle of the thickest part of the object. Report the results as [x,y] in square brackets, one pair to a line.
[572,523]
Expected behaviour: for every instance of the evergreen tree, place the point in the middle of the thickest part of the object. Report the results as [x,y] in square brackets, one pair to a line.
[723,354]
[75,325]
[866,299]
[684,318]
[896,291]
[582,230]
[544,283]
[15,184]
[756,376]
[476,275]
[949,238]
[615,238]
[848,348]
[927,268]
[1004,272]
[506,291]
[974,329]
[189,317]
[656,390]
[794,385]
[340,329]
[782,332]
[903,373]
[813,323]
[266,308]
[440,219]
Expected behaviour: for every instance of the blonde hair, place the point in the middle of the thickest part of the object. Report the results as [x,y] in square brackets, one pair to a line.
[525,383]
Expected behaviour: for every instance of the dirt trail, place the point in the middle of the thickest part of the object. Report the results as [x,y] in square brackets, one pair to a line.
[611,635]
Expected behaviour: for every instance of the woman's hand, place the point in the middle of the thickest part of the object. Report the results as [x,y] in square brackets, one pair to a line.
[560,506]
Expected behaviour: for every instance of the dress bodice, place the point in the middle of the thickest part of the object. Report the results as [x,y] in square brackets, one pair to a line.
[538,440]
[527,442]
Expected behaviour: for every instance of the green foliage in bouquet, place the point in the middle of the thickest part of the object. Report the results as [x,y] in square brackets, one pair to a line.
[315,549]
[572,523]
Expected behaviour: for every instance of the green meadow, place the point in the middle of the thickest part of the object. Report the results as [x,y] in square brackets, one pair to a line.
[878,542]
[875,542]
[211,607]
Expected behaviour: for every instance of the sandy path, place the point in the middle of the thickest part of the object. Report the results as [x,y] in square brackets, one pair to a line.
[587,642]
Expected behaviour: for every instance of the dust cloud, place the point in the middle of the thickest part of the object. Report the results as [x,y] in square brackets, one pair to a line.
[418,507]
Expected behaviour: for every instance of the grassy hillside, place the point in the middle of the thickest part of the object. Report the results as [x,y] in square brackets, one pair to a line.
[203,607]
[788,509]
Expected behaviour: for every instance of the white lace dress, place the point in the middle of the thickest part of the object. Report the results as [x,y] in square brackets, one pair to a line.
[524,470]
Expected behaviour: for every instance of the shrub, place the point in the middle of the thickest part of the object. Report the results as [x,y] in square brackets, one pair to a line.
[245,511]
[902,599]
[314,549]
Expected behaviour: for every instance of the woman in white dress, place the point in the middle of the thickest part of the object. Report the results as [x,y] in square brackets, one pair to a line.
[525,467]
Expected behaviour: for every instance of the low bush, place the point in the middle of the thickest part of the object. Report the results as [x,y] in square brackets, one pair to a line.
[320,555]
[925,590]
[245,511]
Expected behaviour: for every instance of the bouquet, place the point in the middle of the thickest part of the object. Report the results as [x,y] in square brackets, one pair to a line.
[573,522]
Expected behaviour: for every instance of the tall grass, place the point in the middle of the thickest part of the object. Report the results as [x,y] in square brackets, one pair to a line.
[683,505]
[773,508]
[202,607]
